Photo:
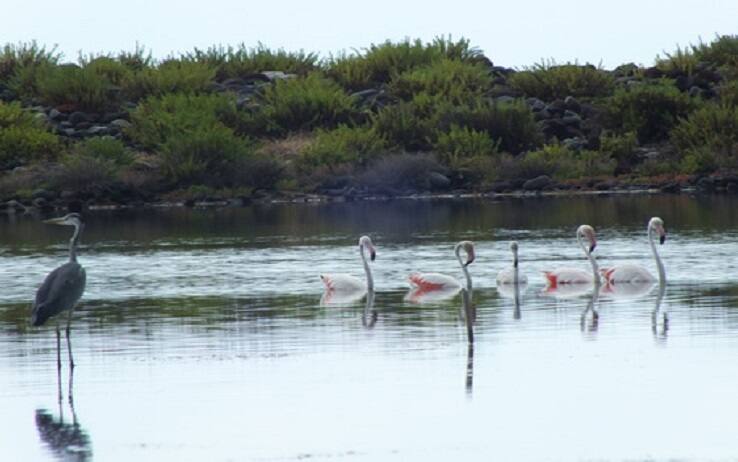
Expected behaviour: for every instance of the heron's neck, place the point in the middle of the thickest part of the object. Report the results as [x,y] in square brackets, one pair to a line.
[592,261]
[73,243]
[659,263]
[368,271]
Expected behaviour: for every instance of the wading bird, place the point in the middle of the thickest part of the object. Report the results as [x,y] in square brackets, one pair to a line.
[512,275]
[62,288]
[630,273]
[437,286]
[562,276]
[348,284]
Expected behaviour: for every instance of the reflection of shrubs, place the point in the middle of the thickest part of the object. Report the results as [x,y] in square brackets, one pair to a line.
[344,144]
[649,110]
[550,81]
[170,77]
[445,80]
[23,138]
[708,138]
[459,145]
[379,63]
[300,104]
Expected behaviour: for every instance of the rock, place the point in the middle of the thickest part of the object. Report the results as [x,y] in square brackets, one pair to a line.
[120,124]
[500,186]
[505,99]
[625,70]
[706,184]
[78,117]
[97,130]
[65,124]
[653,73]
[234,82]
[607,185]
[108,117]
[535,104]
[575,144]
[571,104]
[40,203]
[571,119]
[56,116]
[542,115]
[366,94]
[438,181]
[83,125]
[671,187]
[69,132]
[43,194]
[554,128]
[557,107]
[695,91]
[538,183]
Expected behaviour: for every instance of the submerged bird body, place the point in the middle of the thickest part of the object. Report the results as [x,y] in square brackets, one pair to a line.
[511,276]
[433,281]
[340,282]
[439,286]
[565,276]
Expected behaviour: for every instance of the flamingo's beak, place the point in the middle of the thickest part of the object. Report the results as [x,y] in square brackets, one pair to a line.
[515,262]
[592,246]
[662,236]
[372,253]
[469,256]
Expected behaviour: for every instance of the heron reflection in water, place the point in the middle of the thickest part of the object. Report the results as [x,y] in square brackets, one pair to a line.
[62,288]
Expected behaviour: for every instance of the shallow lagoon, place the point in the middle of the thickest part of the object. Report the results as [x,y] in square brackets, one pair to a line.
[201,336]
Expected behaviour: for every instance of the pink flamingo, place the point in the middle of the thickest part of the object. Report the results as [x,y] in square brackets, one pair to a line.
[432,282]
[563,276]
[347,283]
[630,273]
[510,276]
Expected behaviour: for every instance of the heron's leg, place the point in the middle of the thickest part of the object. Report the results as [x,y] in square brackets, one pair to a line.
[69,343]
[58,348]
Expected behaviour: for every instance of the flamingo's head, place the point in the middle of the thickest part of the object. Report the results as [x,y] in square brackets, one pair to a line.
[656,225]
[514,249]
[587,232]
[71,219]
[366,243]
[468,247]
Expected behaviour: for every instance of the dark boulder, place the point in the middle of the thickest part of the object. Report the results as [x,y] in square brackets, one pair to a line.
[538,183]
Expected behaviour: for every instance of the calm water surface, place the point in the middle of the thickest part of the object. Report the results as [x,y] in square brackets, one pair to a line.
[201,337]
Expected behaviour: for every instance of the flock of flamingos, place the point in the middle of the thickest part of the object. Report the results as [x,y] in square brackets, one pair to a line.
[564,281]
[63,287]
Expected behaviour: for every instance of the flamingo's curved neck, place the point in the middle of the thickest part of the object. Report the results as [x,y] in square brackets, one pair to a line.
[464,269]
[367,270]
[592,261]
[73,242]
[659,263]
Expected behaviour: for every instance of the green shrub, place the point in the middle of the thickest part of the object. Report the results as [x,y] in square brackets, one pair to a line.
[241,61]
[136,60]
[203,155]
[85,174]
[14,57]
[76,88]
[622,148]
[405,125]
[114,72]
[650,110]
[549,81]
[170,77]
[448,80]
[378,64]
[728,93]
[708,138]
[157,119]
[105,148]
[459,145]
[682,61]
[23,138]
[722,51]
[355,145]
[510,124]
[563,163]
[301,104]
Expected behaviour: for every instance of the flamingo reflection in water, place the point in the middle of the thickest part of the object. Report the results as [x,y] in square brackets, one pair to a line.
[510,283]
[436,287]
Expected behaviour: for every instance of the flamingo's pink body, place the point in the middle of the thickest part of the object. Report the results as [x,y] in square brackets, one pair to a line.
[346,283]
[636,274]
[441,284]
[565,276]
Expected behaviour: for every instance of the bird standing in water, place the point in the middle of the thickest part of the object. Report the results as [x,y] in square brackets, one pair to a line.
[62,288]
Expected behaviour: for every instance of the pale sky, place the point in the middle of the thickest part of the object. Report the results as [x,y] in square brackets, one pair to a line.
[512,32]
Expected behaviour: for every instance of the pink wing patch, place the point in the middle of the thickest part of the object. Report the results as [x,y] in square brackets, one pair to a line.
[422,284]
[552,279]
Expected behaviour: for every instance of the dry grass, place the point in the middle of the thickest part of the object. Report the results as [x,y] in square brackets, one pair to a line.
[287,149]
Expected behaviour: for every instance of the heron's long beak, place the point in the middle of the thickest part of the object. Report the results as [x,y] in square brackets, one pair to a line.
[55,221]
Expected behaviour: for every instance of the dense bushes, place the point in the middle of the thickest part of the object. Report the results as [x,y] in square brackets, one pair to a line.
[172,76]
[344,145]
[550,81]
[651,110]
[241,61]
[23,138]
[708,139]
[445,80]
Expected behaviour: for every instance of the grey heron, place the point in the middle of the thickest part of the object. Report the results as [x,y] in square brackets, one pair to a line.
[62,288]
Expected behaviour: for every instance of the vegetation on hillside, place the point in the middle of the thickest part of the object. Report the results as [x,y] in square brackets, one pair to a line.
[396,117]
